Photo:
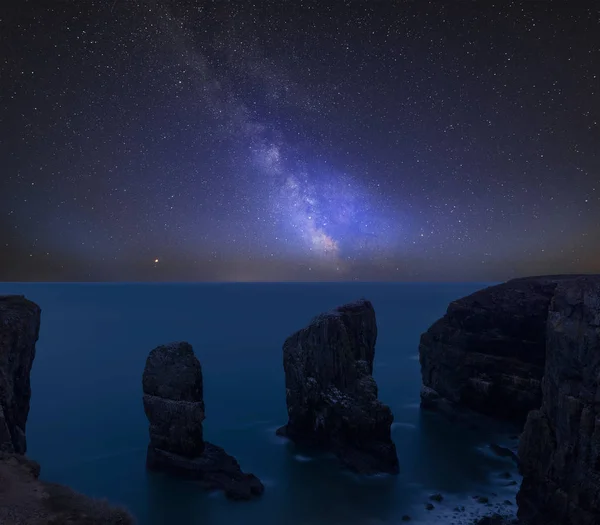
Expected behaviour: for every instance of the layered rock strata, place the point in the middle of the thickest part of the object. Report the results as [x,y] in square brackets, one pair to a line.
[331,395]
[559,449]
[487,352]
[19,331]
[174,405]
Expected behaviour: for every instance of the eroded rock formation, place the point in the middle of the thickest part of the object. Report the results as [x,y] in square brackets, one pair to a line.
[330,391]
[174,406]
[19,330]
[560,447]
[24,498]
[487,353]
[530,346]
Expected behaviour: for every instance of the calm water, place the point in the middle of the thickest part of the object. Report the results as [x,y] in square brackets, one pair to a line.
[87,426]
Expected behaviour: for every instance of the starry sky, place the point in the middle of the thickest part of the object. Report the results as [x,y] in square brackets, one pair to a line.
[178,140]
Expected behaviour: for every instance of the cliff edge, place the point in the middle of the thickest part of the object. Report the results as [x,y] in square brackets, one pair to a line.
[487,353]
[24,498]
[559,449]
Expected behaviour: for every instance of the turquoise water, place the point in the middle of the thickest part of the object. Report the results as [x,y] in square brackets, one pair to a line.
[87,426]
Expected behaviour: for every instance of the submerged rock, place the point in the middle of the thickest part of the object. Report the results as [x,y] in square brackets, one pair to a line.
[559,449]
[487,353]
[174,406]
[330,391]
[19,330]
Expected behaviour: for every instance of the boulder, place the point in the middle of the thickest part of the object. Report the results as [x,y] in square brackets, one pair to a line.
[487,353]
[174,405]
[19,330]
[559,449]
[331,395]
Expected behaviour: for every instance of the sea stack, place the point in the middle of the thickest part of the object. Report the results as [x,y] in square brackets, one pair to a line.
[174,405]
[19,331]
[487,353]
[331,394]
[559,449]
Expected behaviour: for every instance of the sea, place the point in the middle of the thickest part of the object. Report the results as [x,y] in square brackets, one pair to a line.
[88,430]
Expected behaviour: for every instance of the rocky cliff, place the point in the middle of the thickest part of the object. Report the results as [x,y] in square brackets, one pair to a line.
[174,405]
[19,330]
[330,391]
[487,353]
[24,498]
[560,446]
[529,349]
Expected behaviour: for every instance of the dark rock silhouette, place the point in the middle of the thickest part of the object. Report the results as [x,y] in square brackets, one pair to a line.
[19,330]
[559,449]
[174,406]
[488,352]
[24,498]
[330,391]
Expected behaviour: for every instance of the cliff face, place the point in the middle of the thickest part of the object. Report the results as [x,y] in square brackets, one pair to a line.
[330,392]
[25,499]
[19,330]
[560,446]
[174,405]
[487,353]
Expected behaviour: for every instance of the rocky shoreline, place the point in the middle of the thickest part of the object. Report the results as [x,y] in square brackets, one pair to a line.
[24,498]
[525,352]
[528,351]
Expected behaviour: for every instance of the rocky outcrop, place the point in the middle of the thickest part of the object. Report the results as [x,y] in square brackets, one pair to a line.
[27,500]
[487,353]
[174,406]
[560,447]
[19,330]
[330,391]
[24,498]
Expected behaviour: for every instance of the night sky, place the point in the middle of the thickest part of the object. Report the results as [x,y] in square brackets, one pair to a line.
[298,140]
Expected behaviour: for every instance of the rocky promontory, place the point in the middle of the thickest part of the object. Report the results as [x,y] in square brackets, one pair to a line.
[174,406]
[24,498]
[488,352]
[559,449]
[529,349]
[331,394]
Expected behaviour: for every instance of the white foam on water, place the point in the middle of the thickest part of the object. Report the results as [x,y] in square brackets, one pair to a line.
[412,405]
[301,458]
[460,510]
[414,357]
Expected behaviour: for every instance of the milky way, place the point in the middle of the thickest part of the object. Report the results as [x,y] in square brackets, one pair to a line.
[179,140]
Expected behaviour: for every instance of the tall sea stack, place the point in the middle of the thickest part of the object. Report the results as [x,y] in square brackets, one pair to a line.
[174,405]
[330,391]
